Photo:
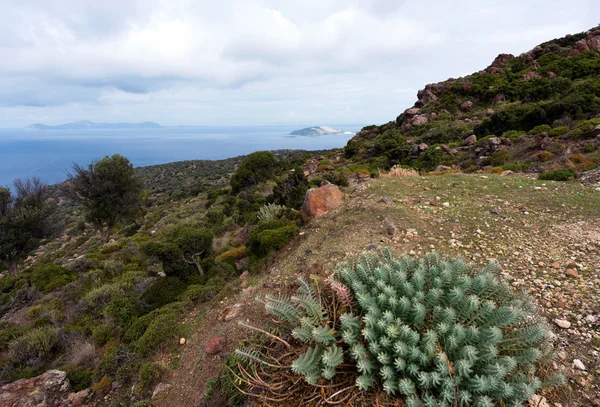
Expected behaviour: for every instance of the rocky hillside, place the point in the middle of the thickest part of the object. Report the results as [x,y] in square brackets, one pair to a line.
[534,112]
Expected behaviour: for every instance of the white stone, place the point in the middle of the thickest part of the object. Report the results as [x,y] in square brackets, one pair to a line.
[562,323]
[446,204]
[182,341]
[578,364]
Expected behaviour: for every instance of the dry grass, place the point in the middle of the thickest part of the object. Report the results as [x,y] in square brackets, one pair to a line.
[398,172]
[81,353]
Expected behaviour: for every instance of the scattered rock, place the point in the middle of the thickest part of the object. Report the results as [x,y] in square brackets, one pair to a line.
[79,398]
[422,147]
[571,273]
[244,275]
[578,364]
[556,265]
[230,313]
[470,140]
[465,107]
[215,345]
[182,341]
[442,168]
[50,389]
[160,388]
[390,228]
[562,323]
[538,401]
[319,201]
[495,141]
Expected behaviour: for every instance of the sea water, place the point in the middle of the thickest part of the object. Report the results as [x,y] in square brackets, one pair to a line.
[49,154]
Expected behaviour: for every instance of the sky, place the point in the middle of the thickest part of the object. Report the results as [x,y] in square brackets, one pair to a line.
[254,62]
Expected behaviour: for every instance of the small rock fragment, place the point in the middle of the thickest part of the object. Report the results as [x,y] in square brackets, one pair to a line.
[562,323]
[578,364]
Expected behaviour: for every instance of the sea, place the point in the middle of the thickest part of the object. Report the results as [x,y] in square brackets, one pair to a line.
[49,154]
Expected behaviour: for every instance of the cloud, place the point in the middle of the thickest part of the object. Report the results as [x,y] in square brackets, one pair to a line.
[165,57]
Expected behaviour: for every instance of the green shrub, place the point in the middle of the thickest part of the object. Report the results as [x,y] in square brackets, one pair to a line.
[516,167]
[558,175]
[585,128]
[113,267]
[123,309]
[590,147]
[499,158]
[48,277]
[162,291]
[150,373]
[8,333]
[37,343]
[257,167]
[558,131]
[204,292]
[102,333]
[290,191]
[79,377]
[269,212]
[543,128]
[162,328]
[269,237]
[138,327]
[432,331]
[100,296]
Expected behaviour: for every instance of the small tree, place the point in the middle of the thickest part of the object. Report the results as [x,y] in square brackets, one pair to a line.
[109,191]
[257,167]
[24,220]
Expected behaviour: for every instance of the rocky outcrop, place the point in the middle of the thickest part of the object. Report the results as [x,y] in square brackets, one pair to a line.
[50,389]
[319,201]
[498,64]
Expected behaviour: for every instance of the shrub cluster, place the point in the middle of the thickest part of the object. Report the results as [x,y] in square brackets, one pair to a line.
[432,331]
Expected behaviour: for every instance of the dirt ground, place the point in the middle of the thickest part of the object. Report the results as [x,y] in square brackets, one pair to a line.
[545,235]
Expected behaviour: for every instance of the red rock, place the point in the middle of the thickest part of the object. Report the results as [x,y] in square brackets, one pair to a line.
[215,345]
[319,201]
[465,107]
[419,120]
[529,76]
[50,389]
[78,399]
[579,47]
[470,140]
[571,273]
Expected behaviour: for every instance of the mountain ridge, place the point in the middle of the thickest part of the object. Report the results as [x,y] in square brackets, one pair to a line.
[87,124]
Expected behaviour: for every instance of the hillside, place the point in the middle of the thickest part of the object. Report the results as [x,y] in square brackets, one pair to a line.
[151,315]
[534,112]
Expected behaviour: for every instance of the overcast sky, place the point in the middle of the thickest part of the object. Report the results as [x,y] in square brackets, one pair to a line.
[254,62]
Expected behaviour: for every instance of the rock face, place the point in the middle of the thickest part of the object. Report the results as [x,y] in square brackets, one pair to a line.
[319,201]
[50,389]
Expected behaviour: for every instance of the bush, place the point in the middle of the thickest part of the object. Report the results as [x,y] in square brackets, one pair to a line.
[48,277]
[38,343]
[236,253]
[203,292]
[585,128]
[290,191]
[589,148]
[138,327]
[432,331]
[79,377]
[544,156]
[269,237]
[8,333]
[558,175]
[257,167]
[163,327]
[149,374]
[543,128]
[162,291]
[102,333]
[558,131]
[100,296]
[269,212]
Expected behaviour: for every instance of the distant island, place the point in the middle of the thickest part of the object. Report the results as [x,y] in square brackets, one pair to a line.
[87,125]
[318,131]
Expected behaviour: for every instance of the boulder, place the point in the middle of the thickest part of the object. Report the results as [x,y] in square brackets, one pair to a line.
[579,47]
[422,147]
[215,345]
[494,141]
[319,201]
[465,107]
[419,120]
[310,167]
[594,43]
[50,389]
[469,140]
[529,76]
[595,131]
[413,111]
